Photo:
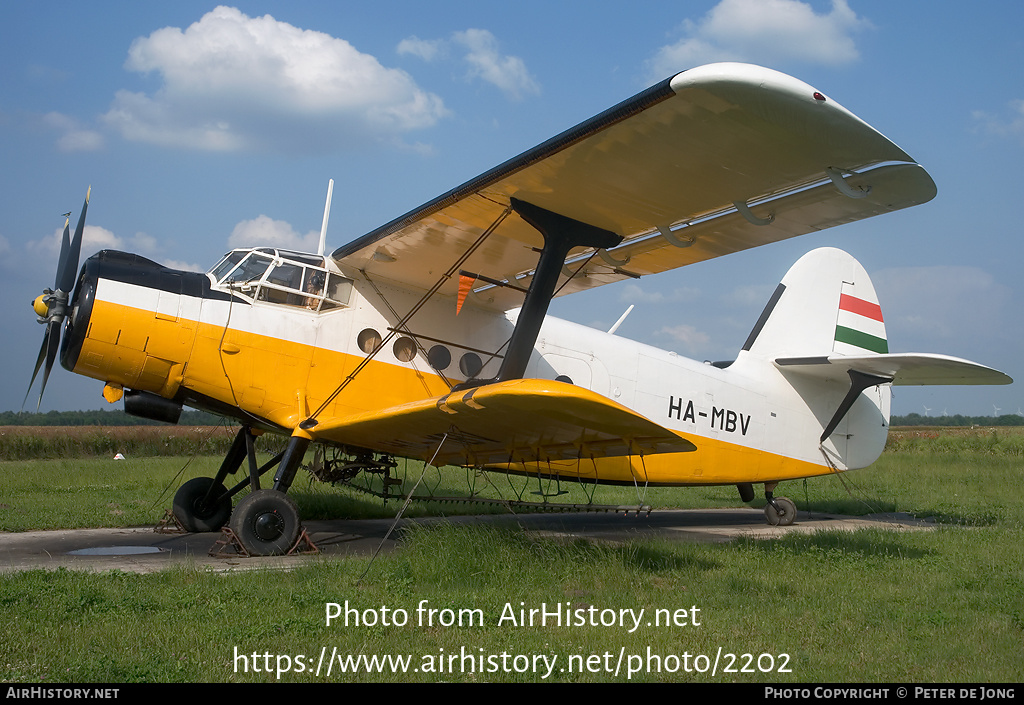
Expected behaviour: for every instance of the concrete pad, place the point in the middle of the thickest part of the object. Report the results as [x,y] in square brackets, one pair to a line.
[141,550]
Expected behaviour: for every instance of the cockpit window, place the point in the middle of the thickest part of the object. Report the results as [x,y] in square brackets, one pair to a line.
[227,264]
[250,270]
[281,277]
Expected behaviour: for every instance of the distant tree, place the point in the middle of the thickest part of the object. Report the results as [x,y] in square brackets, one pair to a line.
[914,419]
[100,417]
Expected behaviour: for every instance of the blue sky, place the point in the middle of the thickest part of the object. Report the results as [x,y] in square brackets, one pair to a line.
[201,128]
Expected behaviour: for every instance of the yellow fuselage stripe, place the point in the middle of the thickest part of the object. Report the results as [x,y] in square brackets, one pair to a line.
[284,381]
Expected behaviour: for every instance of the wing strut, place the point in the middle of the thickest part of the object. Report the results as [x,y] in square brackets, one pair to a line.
[561,234]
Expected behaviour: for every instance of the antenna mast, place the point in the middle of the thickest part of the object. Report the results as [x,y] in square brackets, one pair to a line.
[327,215]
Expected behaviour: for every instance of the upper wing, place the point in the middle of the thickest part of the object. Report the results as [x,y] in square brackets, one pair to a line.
[524,420]
[714,160]
[902,368]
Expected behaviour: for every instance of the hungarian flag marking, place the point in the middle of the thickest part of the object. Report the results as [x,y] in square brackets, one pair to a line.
[860,324]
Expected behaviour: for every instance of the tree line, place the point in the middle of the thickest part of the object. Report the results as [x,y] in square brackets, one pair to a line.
[102,417]
[957,420]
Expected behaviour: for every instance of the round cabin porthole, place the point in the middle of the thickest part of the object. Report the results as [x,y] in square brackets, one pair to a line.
[368,340]
[404,349]
[470,365]
[439,357]
[564,378]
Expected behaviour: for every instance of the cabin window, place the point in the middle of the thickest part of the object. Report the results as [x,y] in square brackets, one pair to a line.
[307,287]
[439,357]
[338,291]
[368,340]
[470,365]
[404,349]
[283,285]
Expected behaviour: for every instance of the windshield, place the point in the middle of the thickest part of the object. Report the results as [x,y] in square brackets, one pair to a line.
[281,277]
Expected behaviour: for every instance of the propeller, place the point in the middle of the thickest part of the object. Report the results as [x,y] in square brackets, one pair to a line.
[52,306]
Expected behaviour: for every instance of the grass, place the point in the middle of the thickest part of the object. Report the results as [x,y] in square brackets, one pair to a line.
[937,606]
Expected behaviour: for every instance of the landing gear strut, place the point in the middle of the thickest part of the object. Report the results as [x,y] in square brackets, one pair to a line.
[779,511]
[266,521]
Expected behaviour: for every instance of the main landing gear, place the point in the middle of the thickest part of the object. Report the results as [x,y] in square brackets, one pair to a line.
[779,511]
[266,521]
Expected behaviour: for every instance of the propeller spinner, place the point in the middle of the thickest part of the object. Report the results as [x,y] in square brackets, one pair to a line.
[52,306]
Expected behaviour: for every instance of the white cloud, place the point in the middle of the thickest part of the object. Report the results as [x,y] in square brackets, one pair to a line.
[96,238]
[267,232]
[750,295]
[506,72]
[763,31]
[231,82]
[692,340]
[184,266]
[633,293]
[74,138]
[426,49]
[1011,125]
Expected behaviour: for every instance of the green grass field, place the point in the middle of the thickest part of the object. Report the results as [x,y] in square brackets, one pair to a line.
[935,606]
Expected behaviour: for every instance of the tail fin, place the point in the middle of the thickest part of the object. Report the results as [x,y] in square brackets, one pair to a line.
[823,329]
[825,305]
[824,321]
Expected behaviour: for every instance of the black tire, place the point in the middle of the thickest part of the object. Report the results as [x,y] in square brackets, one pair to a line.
[190,511]
[784,518]
[266,522]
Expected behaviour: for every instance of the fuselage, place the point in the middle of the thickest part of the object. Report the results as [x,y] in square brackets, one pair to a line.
[267,336]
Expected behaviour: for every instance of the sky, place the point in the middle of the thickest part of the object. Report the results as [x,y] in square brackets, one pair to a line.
[202,128]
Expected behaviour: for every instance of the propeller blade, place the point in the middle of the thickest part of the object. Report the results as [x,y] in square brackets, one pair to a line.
[52,344]
[68,268]
[48,352]
[39,363]
[65,248]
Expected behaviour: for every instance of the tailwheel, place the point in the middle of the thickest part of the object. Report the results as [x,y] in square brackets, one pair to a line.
[202,504]
[266,523]
[780,511]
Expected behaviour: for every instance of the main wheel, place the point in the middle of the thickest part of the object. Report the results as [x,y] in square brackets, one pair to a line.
[193,513]
[266,522]
[781,518]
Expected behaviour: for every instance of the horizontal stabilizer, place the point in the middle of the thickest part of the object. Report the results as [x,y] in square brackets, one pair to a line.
[902,368]
[524,420]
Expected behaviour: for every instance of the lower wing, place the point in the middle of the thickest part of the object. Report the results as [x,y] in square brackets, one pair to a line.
[524,420]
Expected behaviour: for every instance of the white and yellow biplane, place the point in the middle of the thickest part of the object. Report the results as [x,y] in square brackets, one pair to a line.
[427,338]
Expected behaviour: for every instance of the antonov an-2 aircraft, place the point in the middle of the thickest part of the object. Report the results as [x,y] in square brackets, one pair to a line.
[427,337]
